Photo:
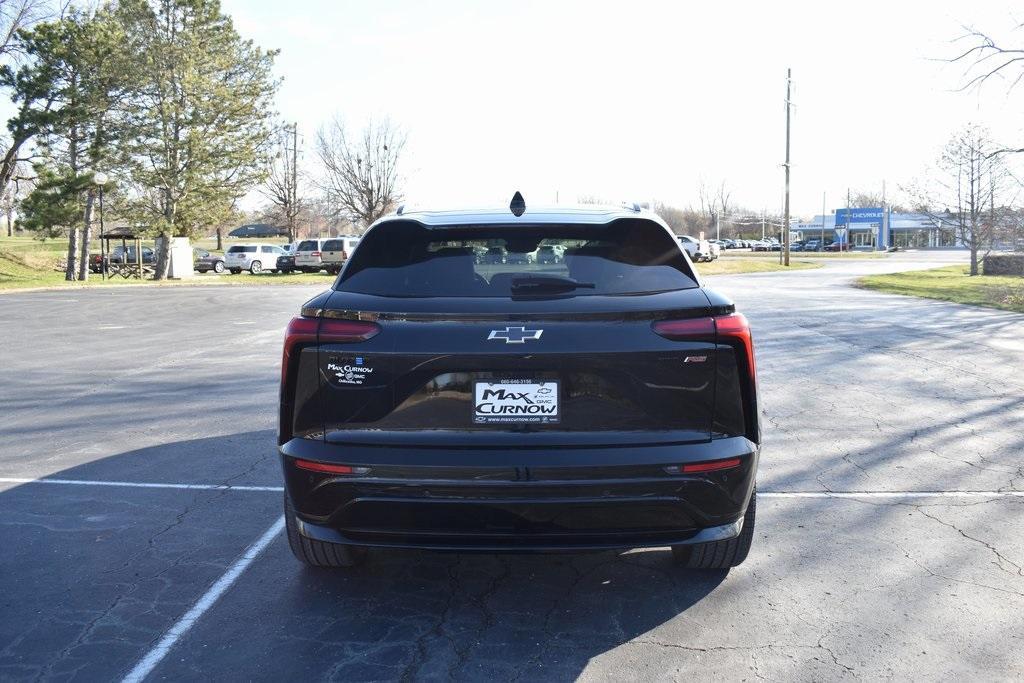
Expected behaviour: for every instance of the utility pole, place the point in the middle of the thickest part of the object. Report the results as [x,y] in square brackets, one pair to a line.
[849,234]
[762,223]
[718,225]
[785,220]
[821,244]
[293,200]
[883,225]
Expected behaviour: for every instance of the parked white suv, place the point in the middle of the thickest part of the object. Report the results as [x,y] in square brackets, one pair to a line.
[309,255]
[255,258]
[699,250]
[336,251]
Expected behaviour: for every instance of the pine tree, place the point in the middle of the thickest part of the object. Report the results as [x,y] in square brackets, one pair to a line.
[201,122]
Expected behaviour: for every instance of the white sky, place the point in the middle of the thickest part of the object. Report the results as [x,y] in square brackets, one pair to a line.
[638,100]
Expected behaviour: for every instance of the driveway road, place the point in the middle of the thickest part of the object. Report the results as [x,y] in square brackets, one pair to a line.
[909,411]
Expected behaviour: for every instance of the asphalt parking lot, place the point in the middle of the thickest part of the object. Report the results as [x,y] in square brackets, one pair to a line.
[140,510]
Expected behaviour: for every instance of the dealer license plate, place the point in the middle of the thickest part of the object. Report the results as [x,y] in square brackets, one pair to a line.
[511,401]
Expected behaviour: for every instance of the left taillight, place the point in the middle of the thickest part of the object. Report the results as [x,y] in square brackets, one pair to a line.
[302,331]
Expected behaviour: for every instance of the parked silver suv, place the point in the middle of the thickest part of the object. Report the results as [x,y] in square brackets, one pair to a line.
[255,258]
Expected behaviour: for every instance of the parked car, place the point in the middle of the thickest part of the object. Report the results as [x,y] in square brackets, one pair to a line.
[483,409]
[838,246]
[117,255]
[549,254]
[259,230]
[286,262]
[714,251]
[494,255]
[205,261]
[698,250]
[812,245]
[519,258]
[255,258]
[309,255]
[336,251]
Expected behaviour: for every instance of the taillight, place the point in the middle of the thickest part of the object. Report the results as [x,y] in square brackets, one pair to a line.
[723,327]
[735,326]
[315,253]
[346,331]
[300,330]
[303,330]
[329,468]
[698,467]
[679,330]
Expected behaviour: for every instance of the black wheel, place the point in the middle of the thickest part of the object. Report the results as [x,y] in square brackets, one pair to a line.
[218,267]
[319,553]
[720,554]
[255,267]
[236,271]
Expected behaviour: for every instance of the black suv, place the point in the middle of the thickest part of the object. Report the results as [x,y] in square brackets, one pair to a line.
[430,401]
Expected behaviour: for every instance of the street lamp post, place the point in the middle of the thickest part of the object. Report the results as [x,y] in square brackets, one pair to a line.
[100,179]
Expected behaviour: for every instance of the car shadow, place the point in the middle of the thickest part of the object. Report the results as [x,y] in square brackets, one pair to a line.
[403,614]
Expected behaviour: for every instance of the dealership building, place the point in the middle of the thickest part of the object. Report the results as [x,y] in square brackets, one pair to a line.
[882,229]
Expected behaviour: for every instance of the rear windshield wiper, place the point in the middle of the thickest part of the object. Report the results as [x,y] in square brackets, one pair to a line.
[548,283]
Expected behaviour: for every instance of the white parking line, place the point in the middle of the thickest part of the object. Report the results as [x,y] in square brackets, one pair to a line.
[889,494]
[181,627]
[142,485]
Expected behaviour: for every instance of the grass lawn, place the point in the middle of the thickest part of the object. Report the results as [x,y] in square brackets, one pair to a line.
[733,266]
[952,283]
[26,262]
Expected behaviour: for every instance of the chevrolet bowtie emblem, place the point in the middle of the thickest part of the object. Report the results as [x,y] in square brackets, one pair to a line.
[515,335]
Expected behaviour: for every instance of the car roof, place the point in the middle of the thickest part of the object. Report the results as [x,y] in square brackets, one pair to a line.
[582,214]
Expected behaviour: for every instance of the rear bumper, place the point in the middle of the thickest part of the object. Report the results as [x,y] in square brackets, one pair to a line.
[520,499]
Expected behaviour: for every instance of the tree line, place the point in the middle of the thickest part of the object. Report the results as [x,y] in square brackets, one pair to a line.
[164,108]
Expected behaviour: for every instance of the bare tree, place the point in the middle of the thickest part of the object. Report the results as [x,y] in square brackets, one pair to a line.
[360,176]
[968,191]
[283,184]
[985,58]
[714,202]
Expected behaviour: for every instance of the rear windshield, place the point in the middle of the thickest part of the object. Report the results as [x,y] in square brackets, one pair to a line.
[628,256]
[334,245]
[238,248]
[308,245]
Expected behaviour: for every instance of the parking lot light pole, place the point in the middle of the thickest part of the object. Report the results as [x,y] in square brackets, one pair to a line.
[99,178]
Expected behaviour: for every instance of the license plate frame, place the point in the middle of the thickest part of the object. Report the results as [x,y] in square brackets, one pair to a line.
[509,401]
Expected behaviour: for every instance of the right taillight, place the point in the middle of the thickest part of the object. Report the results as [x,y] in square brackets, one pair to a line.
[735,326]
[723,328]
[346,331]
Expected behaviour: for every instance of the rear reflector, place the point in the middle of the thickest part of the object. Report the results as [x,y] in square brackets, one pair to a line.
[328,468]
[697,467]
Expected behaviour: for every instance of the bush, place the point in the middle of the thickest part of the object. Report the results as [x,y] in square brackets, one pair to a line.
[1004,264]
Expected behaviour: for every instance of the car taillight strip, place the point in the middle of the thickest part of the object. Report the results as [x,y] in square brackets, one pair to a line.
[731,326]
[699,467]
[329,468]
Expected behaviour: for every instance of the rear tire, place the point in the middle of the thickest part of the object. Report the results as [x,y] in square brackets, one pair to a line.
[319,553]
[255,267]
[720,554]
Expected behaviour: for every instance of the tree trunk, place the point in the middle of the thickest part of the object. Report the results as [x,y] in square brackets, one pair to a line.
[220,239]
[69,269]
[163,256]
[83,262]
[10,223]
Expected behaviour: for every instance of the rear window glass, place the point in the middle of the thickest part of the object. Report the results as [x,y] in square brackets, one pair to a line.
[628,256]
[308,245]
[334,245]
[238,248]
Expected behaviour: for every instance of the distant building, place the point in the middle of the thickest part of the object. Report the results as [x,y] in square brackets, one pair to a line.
[871,227]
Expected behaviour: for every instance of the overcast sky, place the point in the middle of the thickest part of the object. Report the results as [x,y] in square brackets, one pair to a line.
[638,100]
